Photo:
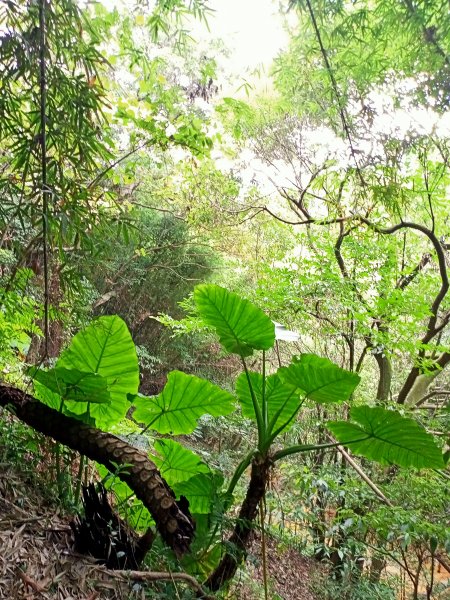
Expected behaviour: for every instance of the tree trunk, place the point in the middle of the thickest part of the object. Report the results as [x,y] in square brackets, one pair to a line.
[173,520]
[239,539]
[417,383]
[385,378]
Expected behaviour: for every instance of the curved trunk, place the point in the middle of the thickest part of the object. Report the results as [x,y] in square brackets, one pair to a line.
[417,383]
[385,378]
[239,539]
[174,523]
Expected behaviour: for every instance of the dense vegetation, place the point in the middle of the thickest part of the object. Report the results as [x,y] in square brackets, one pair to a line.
[232,312]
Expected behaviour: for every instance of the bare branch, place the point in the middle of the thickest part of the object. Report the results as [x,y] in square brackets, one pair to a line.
[157,576]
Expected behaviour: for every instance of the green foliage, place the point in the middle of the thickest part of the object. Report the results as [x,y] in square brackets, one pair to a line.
[320,379]
[184,399]
[101,358]
[17,322]
[153,227]
[71,384]
[177,463]
[389,438]
[241,326]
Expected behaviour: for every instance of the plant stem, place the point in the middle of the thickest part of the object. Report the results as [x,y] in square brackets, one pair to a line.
[263,548]
[238,474]
[311,447]
[79,479]
[256,408]
[265,415]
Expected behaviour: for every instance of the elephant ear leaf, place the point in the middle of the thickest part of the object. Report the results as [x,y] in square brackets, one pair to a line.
[186,474]
[184,399]
[71,384]
[241,326]
[105,348]
[320,379]
[176,462]
[388,438]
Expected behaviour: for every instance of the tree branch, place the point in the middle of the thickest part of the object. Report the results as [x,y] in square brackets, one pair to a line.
[157,576]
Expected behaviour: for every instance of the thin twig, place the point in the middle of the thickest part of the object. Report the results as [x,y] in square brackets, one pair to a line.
[363,475]
[44,190]
[334,85]
[157,576]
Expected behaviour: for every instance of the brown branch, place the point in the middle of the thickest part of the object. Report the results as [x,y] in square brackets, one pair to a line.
[157,576]
[309,221]
[432,394]
[432,327]
[405,280]
[173,521]
[361,473]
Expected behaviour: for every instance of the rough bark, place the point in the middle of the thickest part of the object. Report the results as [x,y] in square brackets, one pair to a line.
[385,377]
[239,539]
[173,521]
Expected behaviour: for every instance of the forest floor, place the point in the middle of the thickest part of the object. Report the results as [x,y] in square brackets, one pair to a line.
[37,561]
[291,576]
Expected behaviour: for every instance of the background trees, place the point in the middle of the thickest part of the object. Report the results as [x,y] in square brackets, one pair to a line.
[126,180]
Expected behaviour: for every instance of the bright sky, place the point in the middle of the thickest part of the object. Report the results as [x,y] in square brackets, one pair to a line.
[251,29]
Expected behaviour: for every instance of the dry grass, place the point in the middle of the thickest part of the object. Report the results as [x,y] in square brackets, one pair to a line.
[36,558]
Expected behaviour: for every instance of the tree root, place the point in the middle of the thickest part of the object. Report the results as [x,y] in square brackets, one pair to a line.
[158,576]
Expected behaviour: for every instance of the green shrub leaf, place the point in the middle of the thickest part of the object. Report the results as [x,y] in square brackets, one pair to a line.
[241,326]
[184,399]
[320,379]
[176,462]
[388,438]
[105,348]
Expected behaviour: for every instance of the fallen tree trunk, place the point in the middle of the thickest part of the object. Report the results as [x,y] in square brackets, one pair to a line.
[173,521]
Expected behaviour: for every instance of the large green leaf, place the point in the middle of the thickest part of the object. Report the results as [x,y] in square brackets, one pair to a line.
[200,490]
[176,462]
[71,384]
[187,475]
[184,399]
[105,348]
[283,400]
[242,327]
[388,438]
[320,379]
[46,396]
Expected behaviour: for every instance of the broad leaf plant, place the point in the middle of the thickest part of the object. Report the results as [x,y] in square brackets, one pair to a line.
[97,378]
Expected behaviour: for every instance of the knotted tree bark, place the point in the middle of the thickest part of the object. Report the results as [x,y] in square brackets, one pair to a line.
[172,519]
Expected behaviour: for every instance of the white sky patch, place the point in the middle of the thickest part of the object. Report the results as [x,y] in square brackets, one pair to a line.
[251,29]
